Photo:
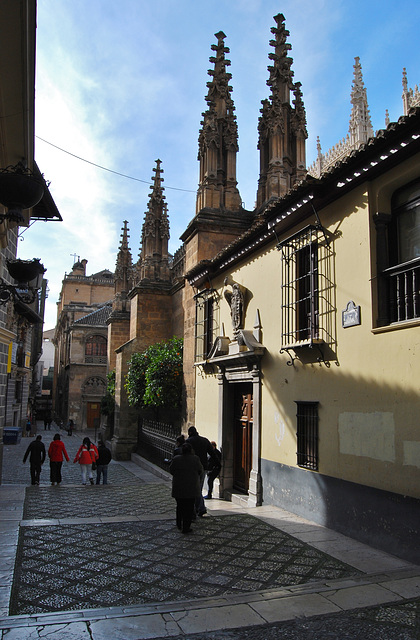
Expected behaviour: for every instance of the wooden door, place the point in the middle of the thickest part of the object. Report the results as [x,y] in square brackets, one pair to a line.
[93,415]
[242,437]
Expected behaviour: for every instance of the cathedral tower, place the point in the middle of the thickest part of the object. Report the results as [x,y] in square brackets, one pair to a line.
[153,263]
[218,139]
[282,127]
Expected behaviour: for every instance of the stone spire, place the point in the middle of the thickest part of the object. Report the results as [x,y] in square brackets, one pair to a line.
[360,126]
[123,272]
[411,98]
[153,263]
[282,128]
[218,139]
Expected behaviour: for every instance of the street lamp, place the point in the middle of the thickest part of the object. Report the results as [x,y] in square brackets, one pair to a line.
[28,275]
[20,189]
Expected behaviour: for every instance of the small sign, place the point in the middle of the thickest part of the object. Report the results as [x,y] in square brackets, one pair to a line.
[351,315]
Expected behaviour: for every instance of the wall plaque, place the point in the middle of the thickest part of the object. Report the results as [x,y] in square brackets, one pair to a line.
[351,315]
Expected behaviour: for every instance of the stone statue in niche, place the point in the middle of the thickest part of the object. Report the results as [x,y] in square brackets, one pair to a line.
[235,300]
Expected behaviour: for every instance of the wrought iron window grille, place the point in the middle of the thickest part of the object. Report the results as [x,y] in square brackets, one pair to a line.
[307,311]
[207,310]
[307,435]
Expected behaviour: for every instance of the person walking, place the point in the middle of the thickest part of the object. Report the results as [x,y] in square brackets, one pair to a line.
[56,452]
[186,470]
[178,445]
[204,450]
[28,428]
[213,470]
[37,454]
[86,457]
[104,458]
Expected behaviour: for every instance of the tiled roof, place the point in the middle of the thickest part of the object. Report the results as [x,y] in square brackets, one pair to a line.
[97,318]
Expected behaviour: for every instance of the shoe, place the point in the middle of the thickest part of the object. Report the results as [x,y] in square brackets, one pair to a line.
[52,484]
[207,497]
[91,480]
[84,484]
[187,531]
[202,513]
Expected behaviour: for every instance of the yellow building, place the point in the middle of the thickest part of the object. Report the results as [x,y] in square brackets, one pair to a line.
[307,333]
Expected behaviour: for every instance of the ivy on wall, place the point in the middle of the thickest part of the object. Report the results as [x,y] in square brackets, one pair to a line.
[154,377]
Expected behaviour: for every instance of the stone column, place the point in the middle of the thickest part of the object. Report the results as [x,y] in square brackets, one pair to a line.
[255,483]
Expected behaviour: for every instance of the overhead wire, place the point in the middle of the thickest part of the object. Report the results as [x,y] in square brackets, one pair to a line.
[117,173]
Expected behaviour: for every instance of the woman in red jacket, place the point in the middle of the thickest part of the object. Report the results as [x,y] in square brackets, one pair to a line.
[86,456]
[56,452]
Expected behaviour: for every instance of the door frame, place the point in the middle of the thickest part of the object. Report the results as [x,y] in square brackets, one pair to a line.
[234,370]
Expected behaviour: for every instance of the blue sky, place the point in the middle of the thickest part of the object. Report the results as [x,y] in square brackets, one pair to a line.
[121,84]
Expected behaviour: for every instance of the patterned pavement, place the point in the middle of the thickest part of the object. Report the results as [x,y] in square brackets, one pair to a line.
[117,546]
[78,566]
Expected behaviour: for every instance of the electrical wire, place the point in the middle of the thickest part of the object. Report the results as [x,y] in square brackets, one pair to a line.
[117,173]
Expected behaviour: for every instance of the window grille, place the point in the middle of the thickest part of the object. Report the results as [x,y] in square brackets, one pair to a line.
[95,350]
[307,435]
[403,272]
[206,322]
[307,289]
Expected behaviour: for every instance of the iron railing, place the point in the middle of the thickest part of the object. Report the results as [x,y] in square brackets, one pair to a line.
[156,441]
[404,291]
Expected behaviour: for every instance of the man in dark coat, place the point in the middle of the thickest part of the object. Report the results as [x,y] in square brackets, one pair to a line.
[213,470]
[104,458]
[36,453]
[186,471]
[203,449]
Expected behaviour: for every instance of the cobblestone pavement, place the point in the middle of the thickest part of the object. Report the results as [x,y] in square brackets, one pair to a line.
[136,499]
[131,563]
[101,562]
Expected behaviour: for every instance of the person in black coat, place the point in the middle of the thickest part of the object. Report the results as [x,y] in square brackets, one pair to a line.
[36,453]
[213,470]
[204,450]
[102,462]
[186,471]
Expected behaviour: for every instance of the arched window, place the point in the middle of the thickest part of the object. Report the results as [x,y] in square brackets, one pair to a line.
[96,350]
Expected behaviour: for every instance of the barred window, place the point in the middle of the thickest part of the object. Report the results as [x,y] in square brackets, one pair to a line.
[307,435]
[96,350]
[206,322]
[307,289]
[403,273]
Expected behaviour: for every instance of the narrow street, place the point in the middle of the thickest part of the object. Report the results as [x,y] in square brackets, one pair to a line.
[100,562]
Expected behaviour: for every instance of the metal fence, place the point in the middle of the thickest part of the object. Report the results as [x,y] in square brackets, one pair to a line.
[156,441]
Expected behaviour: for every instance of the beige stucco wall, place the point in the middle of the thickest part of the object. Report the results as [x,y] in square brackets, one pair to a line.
[369,405]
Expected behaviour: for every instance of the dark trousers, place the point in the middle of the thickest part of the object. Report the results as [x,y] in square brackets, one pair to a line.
[184,513]
[200,506]
[211,477]
[55,471]
[35,472]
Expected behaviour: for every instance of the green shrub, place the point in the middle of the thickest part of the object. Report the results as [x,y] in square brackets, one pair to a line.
[154,377]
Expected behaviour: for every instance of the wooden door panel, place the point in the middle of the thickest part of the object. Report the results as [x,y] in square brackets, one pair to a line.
[242,437]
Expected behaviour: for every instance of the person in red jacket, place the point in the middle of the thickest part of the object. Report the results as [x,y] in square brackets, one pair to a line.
[86,456]
[56,451]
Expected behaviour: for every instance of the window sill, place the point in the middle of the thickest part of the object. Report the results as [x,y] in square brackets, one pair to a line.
[396,326]
[303,343]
